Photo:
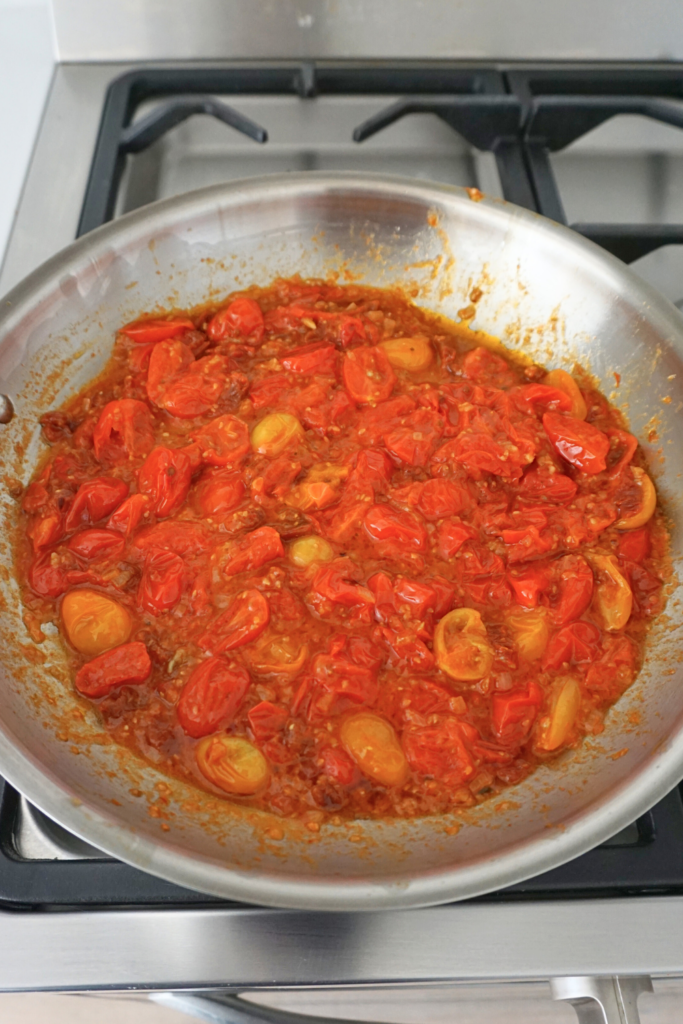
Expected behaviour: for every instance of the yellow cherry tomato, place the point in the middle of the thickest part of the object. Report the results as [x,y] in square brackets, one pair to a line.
[530,632]
[233,764]
[461,645]
[307,550]
[373,744]
[275,432]
[93,622]
[277,656]
[564,382]
[556,730]
[612,597]
[409,353]
[648,501]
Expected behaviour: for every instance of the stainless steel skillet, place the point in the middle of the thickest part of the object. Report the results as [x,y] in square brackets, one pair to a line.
[545,290]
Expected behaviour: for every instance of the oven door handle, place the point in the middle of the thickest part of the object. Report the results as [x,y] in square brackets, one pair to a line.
[611,1000]
[220,1008]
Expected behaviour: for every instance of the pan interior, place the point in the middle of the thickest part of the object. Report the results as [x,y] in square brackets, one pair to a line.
[544,291]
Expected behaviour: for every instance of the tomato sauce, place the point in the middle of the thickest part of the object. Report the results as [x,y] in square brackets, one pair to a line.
[317,550]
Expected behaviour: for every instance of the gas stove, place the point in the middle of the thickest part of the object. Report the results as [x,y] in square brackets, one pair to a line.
[597,146]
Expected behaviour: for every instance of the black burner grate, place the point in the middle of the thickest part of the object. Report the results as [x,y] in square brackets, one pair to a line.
[521,115]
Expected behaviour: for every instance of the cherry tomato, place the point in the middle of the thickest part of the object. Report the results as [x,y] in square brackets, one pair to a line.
[528,584]
[319,357]
[46,530]
[578,442]
[440,751]
[417,598]
[94,500]
[275,433]
[279,656]
[480,453]
[622,445]
[575,588]
[613,672]
[481,364]
[372,743]
[542,484]
[529,395]
[451,536]
[412,354]
[254,550]
[219,493]
[646,502]
[556,731]
[308,550]
[146,332]
[415,442]
[161,586]
[233,764]
[196,391]
[269,392]
[94,622]
[337,582]
[243,621]
[165,476]
[241,319]
[339,766]
[224,441]
[167,359]
[573,645]
[128,515]
[565,382]
[372,472]
[368,376]
[98,545]
[634,545]
[127,665]
[383,524]
[461,645]
[181,537]
[124,431]
[212,696]
[613,596]
[267,720]
[440,498]
[513,713]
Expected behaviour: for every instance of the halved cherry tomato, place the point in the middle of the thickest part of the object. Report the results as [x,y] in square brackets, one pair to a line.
[563,381]
[575,588]
[212,696]
[254,550]
[241,319]
[546,484]
[219,493]
[613,672]
[269,392]
[276,432]
[242,621]
[129,513]
[416,598]
[94,500]
[415,442]
[440,751]
[634,545]
[530,631]
[440,498]
[308,550]
[578,442]
[165,476]
[514,713]
[94,622]
[339,766]
[167,360]
[528,584]
[384,523]
[529,395]
[267,719]
[233,764]
[149,332]
[124,431]
[97,545]
[128,665]
[412,354]
[45,530]
[451,536]
[368,376]
[224,441]
[277,656]
[613,596]
[373,744]
[622,447]
[482,364]
[631,520]
[573,645]
[161,586]
[564,709]
[336,582]
[319,357]
[196,391]
[461,645]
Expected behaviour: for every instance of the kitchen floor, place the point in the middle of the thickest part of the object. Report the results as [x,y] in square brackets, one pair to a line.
[462,1004]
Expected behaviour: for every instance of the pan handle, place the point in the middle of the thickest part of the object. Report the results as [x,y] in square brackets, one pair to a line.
[612,1000]
[219,1008]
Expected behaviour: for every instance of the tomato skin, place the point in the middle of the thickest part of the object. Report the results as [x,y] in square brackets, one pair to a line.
[578,442]
[212,696]
[167,359]
[45,530]
[165,476]
[339,766]
[266,720]
[610,675]
[224,441]
[440,751]
[414,443]
[127,665]
[241,319]
[149,332]
[161,586]
[94,500]
[529,395]
[541,485]
[129,513]
[319,357]
[257,548]
[368,376]
[440,498]
[635,545]
[385,524]
[417,598]
[269,392]
[575,644]
[219,493]
[97,544]
[575,588]
[180,537]
[372,472]
[244,620]
[124,430]
[528,585]
[513,713]
[335,582]
[451,536]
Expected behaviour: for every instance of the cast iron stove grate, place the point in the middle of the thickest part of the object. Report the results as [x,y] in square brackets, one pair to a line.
[520,114]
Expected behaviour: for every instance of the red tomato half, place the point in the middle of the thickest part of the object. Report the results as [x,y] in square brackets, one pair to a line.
[161,586]
[414,442]
[368,376]
[578,442]
[126,665]
[267,720]
[219,493]
[319,357]
[384,523]
[451,536]
[542,485]
[254,550]
[513,713]
[94,500]
[244,620]
[212,696]
[125,430]
[575,588]
[167,359]
[528,584]
[128,514]
[529,395]
[634,545]
[165,476]
[573,645]
[440,751]
[93,545]
[339,766]
[440,498]
[224,441]
[146,332]
[241,319]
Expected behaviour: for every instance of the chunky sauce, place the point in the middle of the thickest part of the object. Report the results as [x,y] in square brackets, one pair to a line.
[318,551]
